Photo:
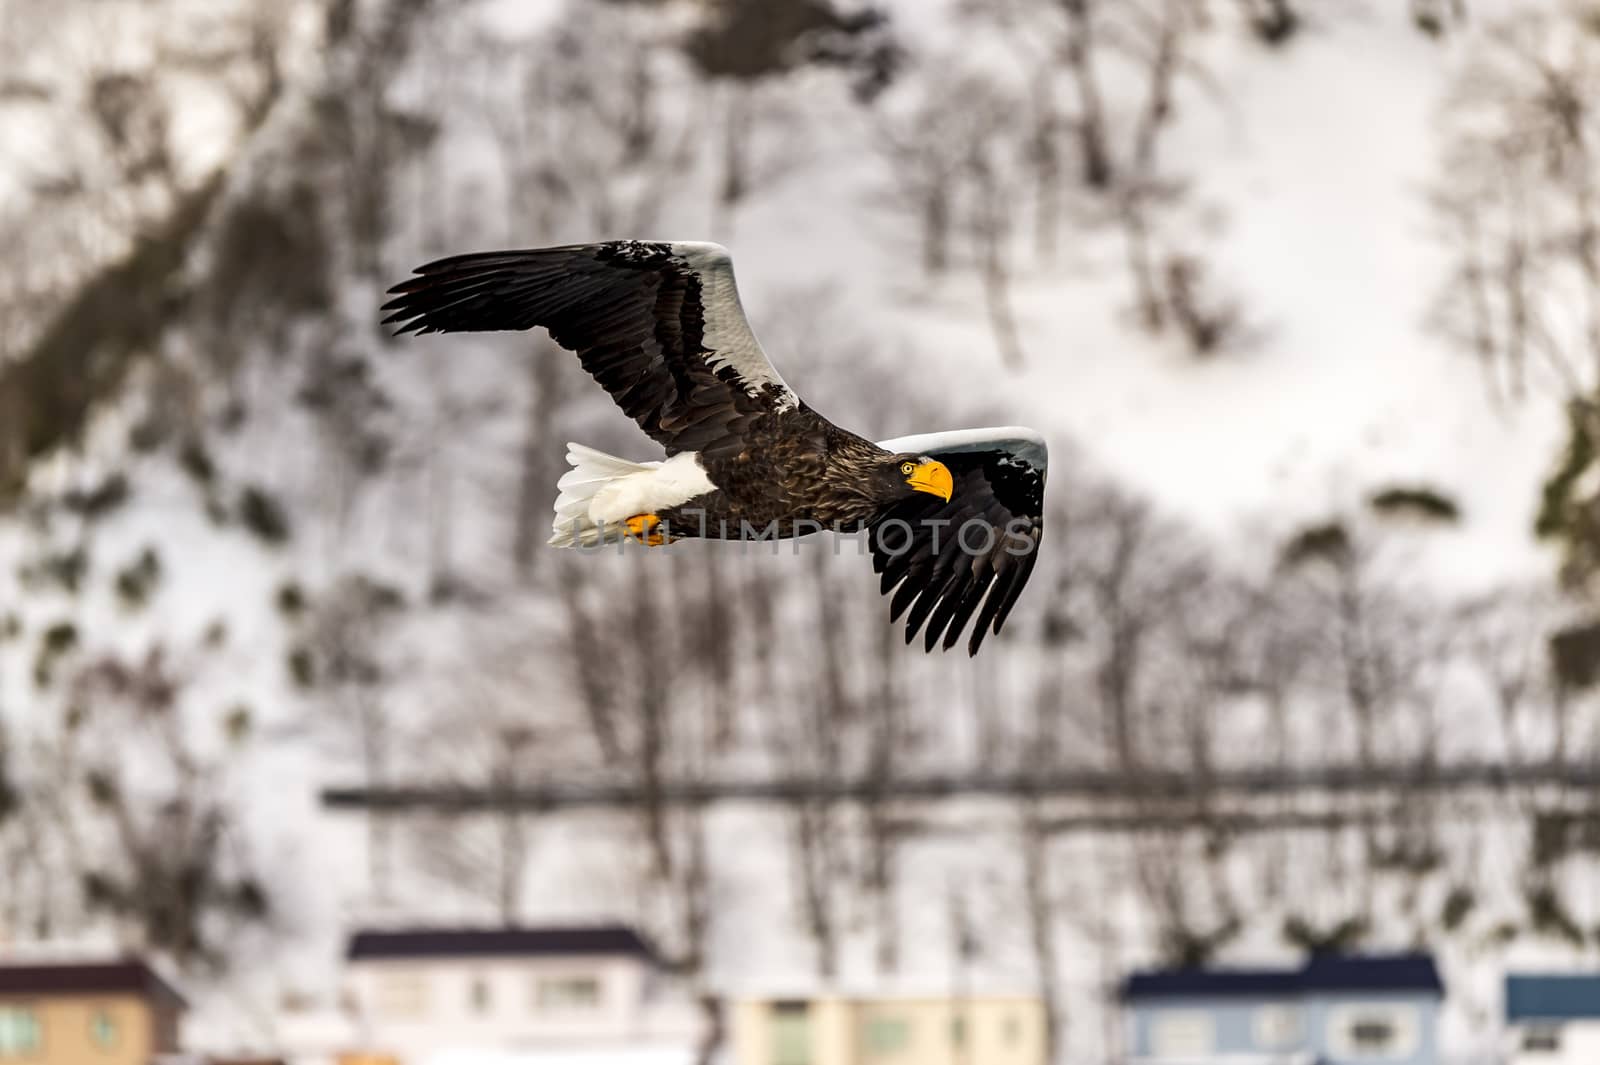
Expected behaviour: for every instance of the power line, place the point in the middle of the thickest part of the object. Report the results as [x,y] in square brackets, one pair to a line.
[1139,786]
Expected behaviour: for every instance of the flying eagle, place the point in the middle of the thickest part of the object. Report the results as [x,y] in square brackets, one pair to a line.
[953,519]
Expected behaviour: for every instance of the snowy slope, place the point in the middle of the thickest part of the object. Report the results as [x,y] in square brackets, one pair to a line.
[1314,163]
[1310,167]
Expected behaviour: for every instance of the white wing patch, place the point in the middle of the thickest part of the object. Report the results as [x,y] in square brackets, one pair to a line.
[727,331]
[1027,445]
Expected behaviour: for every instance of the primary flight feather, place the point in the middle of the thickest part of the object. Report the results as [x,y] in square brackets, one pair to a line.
[953,519]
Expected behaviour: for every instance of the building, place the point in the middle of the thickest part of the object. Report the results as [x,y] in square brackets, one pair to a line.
[1553,1020]
[933,1030]
[74,1013]
[422,995]
[1334,1010]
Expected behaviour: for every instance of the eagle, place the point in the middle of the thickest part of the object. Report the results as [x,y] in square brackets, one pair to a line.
[953,519]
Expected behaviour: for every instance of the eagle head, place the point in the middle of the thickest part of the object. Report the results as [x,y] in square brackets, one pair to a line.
[907,474]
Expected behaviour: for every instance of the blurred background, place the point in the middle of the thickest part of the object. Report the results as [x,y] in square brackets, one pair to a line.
[311,751]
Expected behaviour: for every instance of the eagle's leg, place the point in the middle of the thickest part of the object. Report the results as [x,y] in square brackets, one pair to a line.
[646,529]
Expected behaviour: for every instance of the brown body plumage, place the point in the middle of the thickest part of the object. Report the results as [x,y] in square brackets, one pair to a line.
[799,474]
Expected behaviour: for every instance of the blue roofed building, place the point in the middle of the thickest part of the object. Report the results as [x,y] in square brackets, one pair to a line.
[1333,1010]
[1553,1019]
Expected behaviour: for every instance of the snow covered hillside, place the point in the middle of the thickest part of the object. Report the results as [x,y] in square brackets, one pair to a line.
[252,547]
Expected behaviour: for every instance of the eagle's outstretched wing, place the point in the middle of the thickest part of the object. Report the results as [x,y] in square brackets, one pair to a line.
[943,560]
[659,325]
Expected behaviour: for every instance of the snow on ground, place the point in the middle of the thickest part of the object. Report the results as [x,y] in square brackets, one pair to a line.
[1316,160]
[1313,162]
[623,1056]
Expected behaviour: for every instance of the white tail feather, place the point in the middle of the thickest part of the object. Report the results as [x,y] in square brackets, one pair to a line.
[601,492]
[591,471]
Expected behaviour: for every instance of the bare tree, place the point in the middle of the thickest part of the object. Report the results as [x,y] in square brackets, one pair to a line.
[540,458]
[1503,639]
[1133,571]
[1039,904]
[742,46]
[956,155]
[595,145]
[933,133]
[813,738]
[348,656]
[506,727]
[1522,211]
[993,186]
[1273,21]
[1436,17]
[33,859]
[161,850]
[1066,49]
[889,741]
[591,660]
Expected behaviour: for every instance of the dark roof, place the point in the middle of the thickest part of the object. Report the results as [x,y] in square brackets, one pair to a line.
[1328,973]
[499,942]
[130,976]
[1552,998]
[1378,972]
[1154,982]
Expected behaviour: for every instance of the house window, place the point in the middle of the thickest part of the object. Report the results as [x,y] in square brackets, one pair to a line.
[403,995]
[103,1030]
[19,1032]
[1277,1027]
[887,1035]
[479,996]
[1372,1034]
[1541,1039]
[791,1033]
[1011,1031]
[567,993]
[1181,1033]
[1375,1032]
[958,1031]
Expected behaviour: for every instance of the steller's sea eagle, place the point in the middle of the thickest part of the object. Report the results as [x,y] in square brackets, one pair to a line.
[953,519]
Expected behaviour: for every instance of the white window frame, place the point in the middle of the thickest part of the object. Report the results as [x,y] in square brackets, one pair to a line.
[1541,1028]
[557,1004]
[480,994]
[1182,1033]
[1404,1017]
[1277,1026]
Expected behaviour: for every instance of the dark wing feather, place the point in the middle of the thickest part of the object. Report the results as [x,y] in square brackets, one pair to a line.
[659,325]
[942,561]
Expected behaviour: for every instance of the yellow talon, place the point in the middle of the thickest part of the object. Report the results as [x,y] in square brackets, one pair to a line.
[645,528]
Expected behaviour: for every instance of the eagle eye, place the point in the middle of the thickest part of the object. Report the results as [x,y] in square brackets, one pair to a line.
[907,468]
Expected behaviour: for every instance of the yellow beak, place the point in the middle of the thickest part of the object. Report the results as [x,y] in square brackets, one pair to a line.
[933,478]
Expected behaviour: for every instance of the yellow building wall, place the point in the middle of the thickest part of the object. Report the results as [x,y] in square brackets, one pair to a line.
[835,1036]
[995,1031]
[746,1031]
[64,1025]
